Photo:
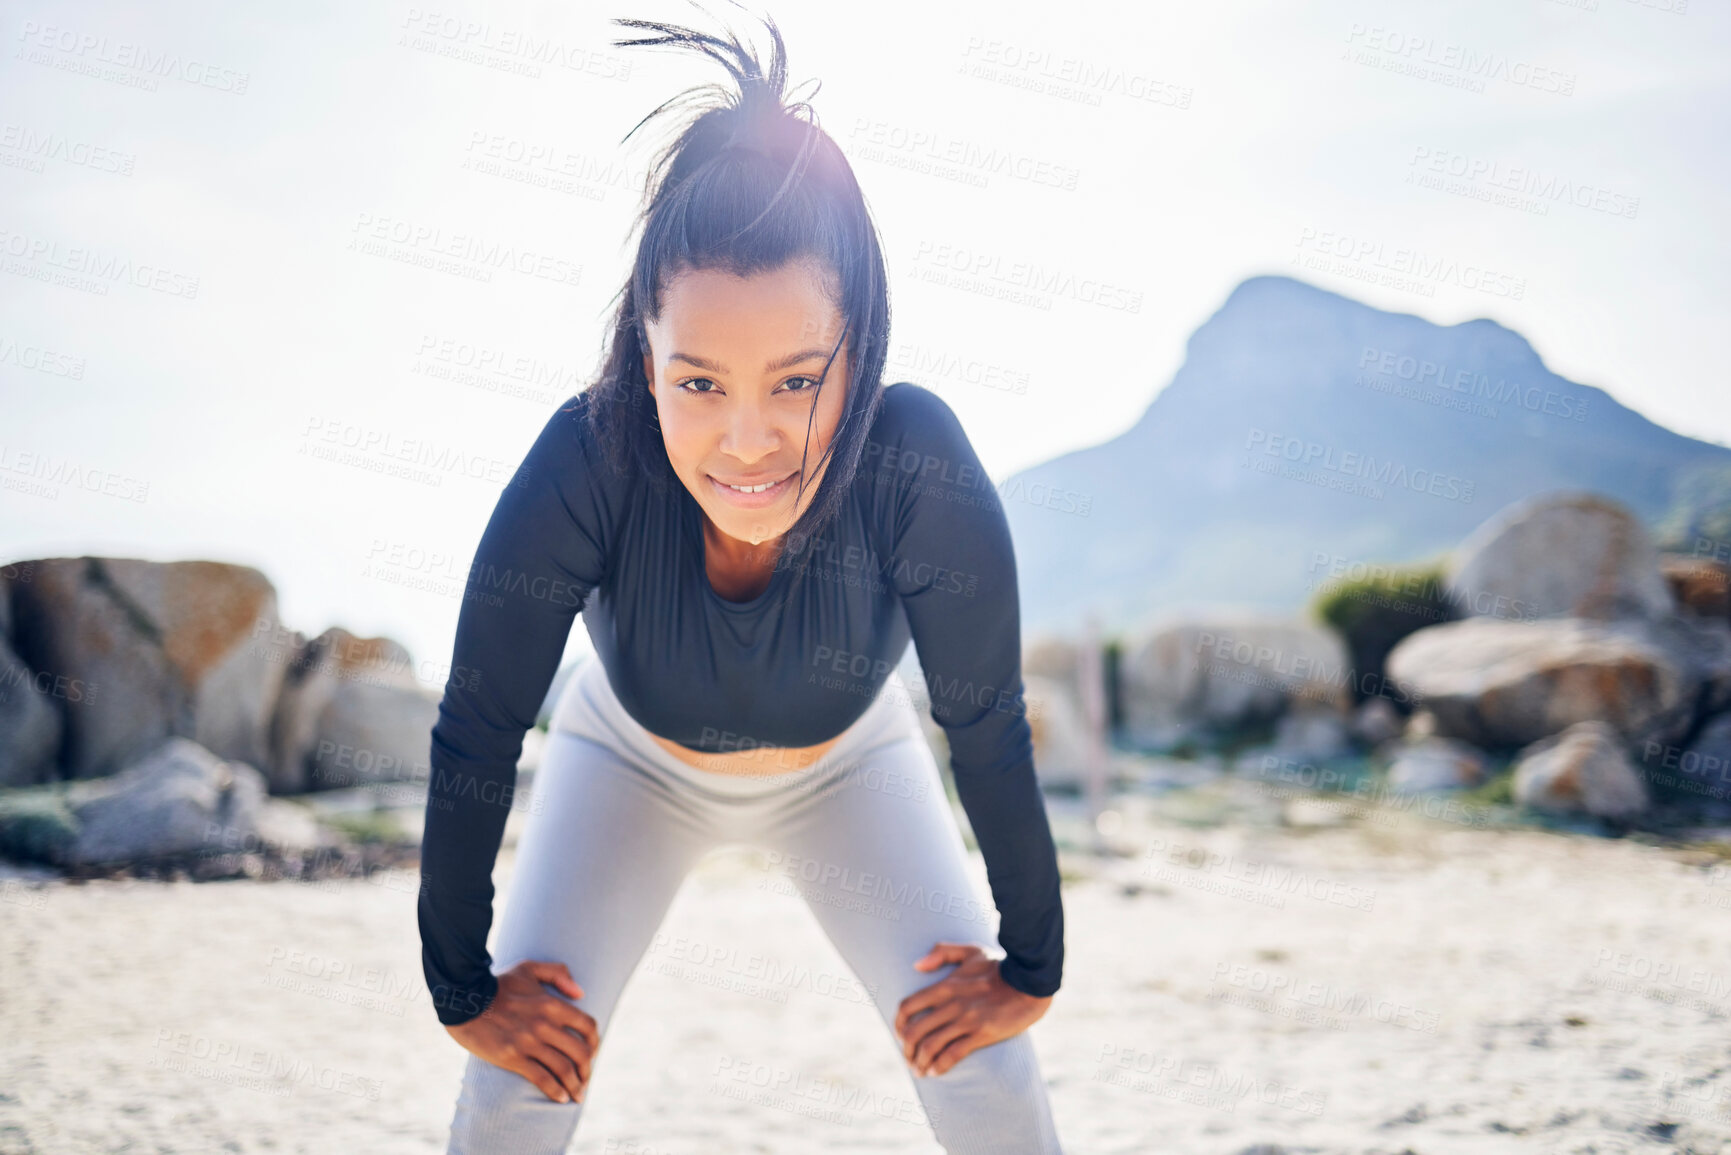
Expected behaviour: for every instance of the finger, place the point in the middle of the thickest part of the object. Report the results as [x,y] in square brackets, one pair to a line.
[941,954]
[559,1064]
[921,1028]
[955,1051]
[935,1030]
[545,1081]
[574,1047]
[556,974]
[954,952]
[924,999]
[574,1019]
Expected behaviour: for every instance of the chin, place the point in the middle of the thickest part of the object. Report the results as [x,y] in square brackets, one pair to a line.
[756,530]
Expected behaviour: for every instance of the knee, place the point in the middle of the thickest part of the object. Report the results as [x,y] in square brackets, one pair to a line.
[501,1111]
[1007,1067]
[992,1102]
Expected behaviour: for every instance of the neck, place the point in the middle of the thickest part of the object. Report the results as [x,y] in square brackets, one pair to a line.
[737,551]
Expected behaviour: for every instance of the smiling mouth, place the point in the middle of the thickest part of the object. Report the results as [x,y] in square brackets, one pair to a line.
[761,488]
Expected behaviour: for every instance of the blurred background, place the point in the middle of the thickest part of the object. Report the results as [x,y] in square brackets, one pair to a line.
[1346,373]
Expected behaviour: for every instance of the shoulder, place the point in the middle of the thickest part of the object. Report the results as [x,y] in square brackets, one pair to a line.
[907,403]
[571,435]
[567,466]
[918,455]
[572,421]
[911,415]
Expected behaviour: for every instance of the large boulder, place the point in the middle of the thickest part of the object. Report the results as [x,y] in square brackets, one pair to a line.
[1583,770]
[370,735]
[1700,585]
[350,713]
[1505,684]
[1228,672]
[29,724]
[142,651]
[1575,555]
[179,799]
[1698,776]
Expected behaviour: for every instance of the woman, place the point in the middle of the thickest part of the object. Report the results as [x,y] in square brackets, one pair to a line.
[753,528]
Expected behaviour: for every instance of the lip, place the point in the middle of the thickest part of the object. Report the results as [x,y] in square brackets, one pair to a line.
[753,500]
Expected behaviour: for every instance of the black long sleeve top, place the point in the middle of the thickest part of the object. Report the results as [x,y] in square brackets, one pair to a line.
[920,549]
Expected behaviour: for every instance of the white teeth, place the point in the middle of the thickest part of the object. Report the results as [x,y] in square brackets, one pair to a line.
[755,488]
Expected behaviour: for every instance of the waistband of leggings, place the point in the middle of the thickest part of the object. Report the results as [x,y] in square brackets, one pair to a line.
[589,708]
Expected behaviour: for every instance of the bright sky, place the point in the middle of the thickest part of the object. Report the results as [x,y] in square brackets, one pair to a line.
[217,223]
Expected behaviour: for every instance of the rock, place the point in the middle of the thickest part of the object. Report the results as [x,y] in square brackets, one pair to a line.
[180,799]
[1303,738]
[1228,672]
[1420,725]
[374,734]
[143,651]
[1312,735]
[1373,610]
[1711,751]
[36,823]
[1435,764]
[1699,584]
[1703,646]
[289,829]
[1052,656]
[1582,770]
[351,712]
[30,725]
[1060,732]
[1501,684]
[1575,555]
[1376,721]
[1698,775]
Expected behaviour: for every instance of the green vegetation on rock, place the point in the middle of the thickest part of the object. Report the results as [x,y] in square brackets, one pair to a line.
[1374,612]
[37,823]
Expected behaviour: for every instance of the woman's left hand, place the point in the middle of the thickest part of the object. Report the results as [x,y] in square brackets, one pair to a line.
[970,1008]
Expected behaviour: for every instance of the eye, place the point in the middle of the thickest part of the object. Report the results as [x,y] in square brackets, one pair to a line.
[686,385]
[812,380]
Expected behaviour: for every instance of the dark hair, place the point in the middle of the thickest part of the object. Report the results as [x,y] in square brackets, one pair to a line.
[747,186]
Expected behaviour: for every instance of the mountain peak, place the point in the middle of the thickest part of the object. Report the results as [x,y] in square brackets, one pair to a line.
[1288,298]
[1276,316]
[1304,424]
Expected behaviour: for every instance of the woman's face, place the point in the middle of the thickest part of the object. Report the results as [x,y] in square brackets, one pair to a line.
[734,364]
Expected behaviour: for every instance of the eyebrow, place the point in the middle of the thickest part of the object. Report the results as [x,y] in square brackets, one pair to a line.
[786,362]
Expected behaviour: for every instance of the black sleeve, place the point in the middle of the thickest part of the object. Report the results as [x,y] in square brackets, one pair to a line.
[544,549]
[955,570]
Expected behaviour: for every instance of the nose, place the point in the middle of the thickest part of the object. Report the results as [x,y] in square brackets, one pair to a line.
[748,436]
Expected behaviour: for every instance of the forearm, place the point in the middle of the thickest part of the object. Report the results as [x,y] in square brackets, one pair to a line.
[1008,816]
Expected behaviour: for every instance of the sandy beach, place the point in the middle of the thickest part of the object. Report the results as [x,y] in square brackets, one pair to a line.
[1245,974]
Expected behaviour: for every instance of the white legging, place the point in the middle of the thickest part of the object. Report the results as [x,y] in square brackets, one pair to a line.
[866,835]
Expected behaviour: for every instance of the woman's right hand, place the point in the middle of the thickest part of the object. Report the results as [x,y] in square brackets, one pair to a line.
[538,1035]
